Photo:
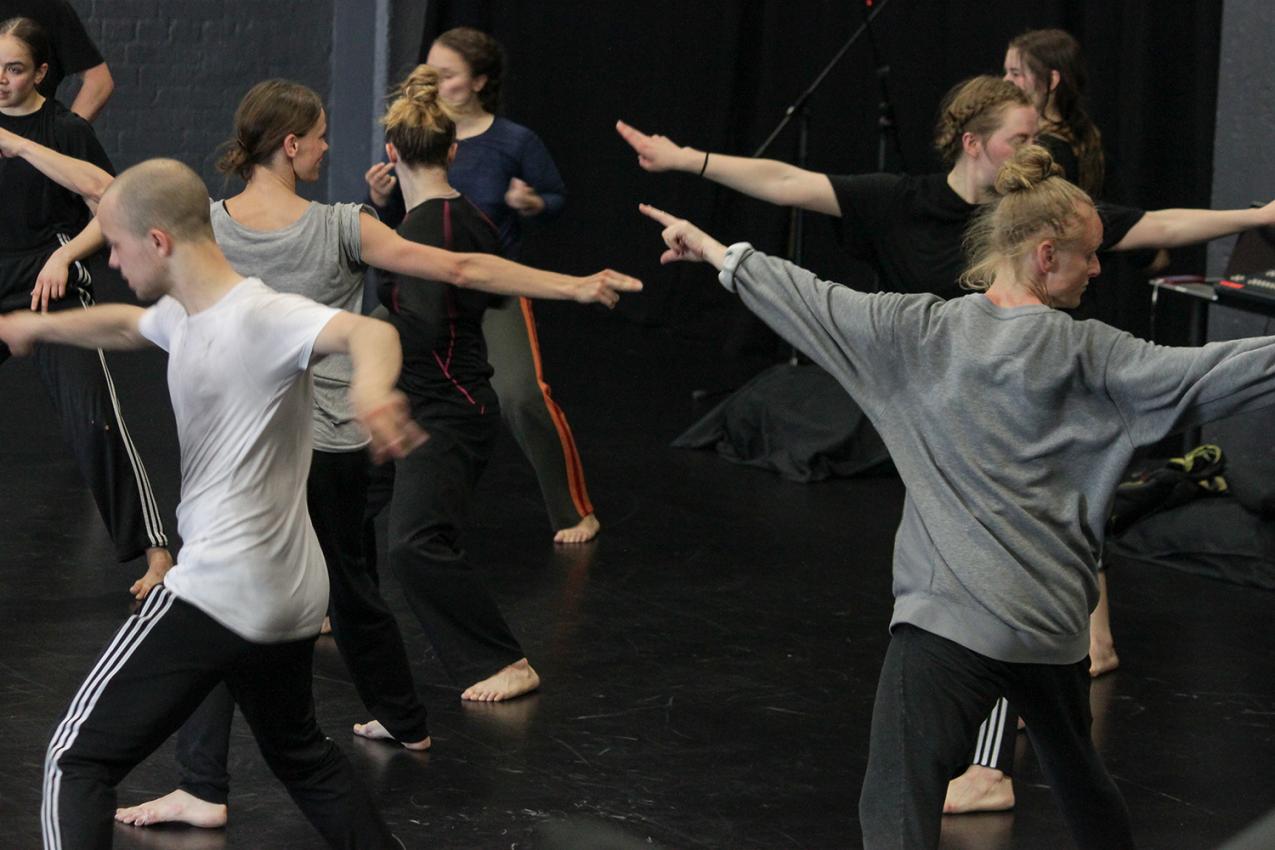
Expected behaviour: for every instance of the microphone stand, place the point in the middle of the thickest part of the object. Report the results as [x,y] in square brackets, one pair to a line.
[800,110]
[887,129]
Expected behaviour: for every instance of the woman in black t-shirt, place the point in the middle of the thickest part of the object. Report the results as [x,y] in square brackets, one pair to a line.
[42,209]
[910,229]
[446,378]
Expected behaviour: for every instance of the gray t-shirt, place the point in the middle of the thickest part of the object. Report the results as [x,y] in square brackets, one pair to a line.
[1011,428]
[318,256]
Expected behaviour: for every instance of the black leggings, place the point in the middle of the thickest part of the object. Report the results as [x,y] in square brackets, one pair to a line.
[430,494]
[932,695]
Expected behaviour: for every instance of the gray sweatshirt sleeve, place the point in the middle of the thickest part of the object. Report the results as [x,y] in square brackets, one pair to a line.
[1159,390]
[846,332]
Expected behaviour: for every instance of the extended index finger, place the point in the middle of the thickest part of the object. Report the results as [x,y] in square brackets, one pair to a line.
[632,135]
[658,214]
[619,281]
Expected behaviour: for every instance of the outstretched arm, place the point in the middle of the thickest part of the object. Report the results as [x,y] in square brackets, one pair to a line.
[84,178]
[385,249]
[376,355]
[109,326]
[841,330]
[1174,227]
[765,179]
[95,89]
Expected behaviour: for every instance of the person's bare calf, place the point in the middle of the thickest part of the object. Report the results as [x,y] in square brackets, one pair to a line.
[373,730]
[158,563]
[1102,644]
[175,807]
[979,789]
[513,681]
[583,532]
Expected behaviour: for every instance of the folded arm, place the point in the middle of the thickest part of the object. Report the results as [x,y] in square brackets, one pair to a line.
[377,357]
[83,178]
[50,283]
[95,89]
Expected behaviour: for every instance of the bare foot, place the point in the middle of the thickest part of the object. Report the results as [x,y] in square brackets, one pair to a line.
[158,563]
[515,680]
[326,628]
[175,807]
[582,533]
[979,789]
[373,730]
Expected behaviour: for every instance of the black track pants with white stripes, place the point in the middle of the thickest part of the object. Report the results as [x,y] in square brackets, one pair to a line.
[997,739]
[83,394]
[163,661]
[931,697]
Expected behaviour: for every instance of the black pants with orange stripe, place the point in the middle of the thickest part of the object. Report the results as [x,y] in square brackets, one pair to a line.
[430,494]
[159,666]
[82,391]
[526,403]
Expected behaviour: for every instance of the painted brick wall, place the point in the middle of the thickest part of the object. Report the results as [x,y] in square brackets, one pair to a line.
[180,67]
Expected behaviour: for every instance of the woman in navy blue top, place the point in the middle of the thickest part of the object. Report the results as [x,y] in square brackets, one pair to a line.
[505,170]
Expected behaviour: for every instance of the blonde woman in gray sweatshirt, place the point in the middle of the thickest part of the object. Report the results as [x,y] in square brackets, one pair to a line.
[1011,424]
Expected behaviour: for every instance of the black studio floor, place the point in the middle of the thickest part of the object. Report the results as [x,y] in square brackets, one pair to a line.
[709,663]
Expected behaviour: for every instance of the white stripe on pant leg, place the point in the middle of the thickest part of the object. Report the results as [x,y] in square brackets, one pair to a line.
[146,497]
[134,631]
[991,724]
[1000,732]
[120,650]
[978,746]
[123,642]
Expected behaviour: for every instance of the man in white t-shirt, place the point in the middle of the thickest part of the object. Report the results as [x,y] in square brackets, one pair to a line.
[246,600]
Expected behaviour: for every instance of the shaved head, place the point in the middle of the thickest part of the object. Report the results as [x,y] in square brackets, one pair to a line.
[161,194]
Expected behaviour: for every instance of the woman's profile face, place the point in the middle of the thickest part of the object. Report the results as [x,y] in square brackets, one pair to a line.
[457,85]
[1017,72]
[18,74]
[311,148]
[1075,263]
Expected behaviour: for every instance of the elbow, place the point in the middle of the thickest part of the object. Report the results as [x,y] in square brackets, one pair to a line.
[464,271]
[96,187]
[105,88]
[101,82]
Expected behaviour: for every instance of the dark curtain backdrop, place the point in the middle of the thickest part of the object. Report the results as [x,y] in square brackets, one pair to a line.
[718,75]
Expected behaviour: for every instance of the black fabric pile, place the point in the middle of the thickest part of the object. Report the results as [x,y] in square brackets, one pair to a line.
[793,420]
[1198,514]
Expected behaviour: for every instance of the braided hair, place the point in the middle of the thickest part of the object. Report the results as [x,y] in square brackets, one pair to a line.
[976,106]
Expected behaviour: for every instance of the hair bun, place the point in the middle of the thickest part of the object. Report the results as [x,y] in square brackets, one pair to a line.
[1030,166]
[421,86]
